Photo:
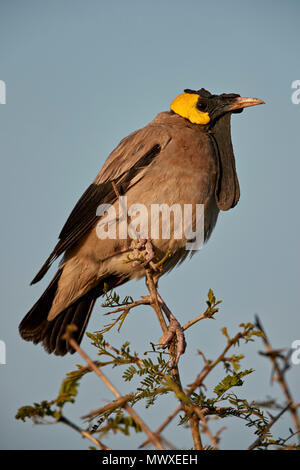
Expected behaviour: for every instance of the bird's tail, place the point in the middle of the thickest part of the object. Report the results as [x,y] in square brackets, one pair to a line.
[36,328]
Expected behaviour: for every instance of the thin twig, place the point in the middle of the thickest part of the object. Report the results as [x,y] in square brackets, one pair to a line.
[154,439]
[134,358]
[195,320]
[206,429]
[155,298]
[161,427]
[259,440]
[86,434]
[204,315]
[207,369]
[146,300]
[280,378]
[120,402]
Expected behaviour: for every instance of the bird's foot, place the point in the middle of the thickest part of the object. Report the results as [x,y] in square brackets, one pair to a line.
[174,329]
[142,254]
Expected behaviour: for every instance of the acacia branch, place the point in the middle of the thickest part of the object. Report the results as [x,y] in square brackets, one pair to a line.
[153,438]
[259,440]
[194,421]
[280,378]
[120,402]
[199,380]
[146,300]
[206,430]
[85,434]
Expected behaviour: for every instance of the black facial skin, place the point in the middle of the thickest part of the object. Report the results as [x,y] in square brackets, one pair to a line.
[214,105]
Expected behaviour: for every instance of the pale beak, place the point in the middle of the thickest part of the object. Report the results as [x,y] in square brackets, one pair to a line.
[240,103]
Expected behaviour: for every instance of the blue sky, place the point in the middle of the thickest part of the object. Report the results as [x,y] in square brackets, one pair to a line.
[81,75]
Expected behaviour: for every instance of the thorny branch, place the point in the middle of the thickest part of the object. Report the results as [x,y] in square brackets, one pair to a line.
[259,440]
[280,377]
[86,434]
[154,439]
[198,410]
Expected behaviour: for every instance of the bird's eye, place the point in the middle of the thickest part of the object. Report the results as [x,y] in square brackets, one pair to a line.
[201,105]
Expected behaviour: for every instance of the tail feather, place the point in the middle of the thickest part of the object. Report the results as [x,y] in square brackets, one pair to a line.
[36,328]
[53,335]
[34,323]
[81,317]
[77,314]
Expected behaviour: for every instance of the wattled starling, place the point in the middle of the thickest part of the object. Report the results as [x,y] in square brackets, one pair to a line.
[183,157]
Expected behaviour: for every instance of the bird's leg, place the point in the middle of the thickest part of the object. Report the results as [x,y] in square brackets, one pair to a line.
[174,329]
[142,254]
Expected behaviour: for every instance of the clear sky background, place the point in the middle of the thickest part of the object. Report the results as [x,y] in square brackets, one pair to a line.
[80,76]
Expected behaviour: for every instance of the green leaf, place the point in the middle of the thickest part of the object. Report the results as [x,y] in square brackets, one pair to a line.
[229,381]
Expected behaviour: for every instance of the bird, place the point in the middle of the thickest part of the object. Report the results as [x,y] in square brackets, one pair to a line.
[184,156]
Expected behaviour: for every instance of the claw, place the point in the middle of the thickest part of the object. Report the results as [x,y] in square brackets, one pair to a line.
[143,254]
[174,329]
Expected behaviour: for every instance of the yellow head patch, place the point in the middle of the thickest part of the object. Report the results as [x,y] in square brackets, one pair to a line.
[185,106]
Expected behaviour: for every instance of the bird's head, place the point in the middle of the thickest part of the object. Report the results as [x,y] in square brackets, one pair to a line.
[201,107]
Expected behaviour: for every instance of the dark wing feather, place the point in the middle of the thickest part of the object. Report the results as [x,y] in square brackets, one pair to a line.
[83,216]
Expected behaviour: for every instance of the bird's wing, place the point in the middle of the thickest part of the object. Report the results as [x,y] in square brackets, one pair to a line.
[124,167]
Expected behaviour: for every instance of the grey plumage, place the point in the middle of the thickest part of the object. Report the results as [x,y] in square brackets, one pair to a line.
[169,161]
